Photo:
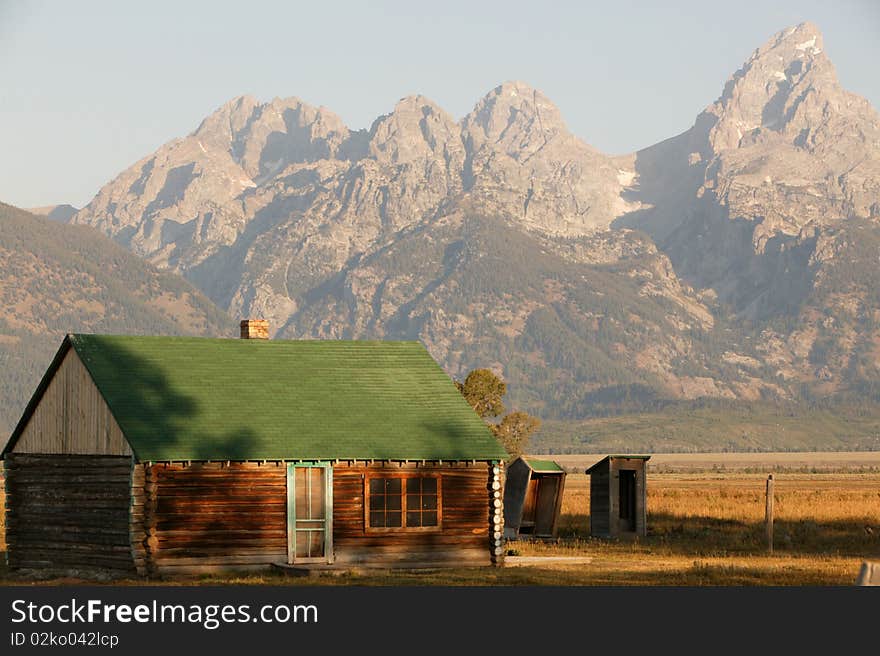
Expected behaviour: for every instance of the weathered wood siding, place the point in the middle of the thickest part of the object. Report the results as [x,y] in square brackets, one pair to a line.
[69,512]
[212,516]
[515,487]
[532,496]
[600,502]
[3,505]
[72,417]
[467,511]
[605,497]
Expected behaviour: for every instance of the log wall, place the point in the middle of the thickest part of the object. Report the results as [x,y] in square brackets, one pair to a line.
[3,506]
[466,519]
[210,516]
[103,513]
[72,417]
[213,517]
[69,513]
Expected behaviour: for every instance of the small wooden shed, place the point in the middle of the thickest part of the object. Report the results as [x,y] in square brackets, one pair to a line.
[618,496]
[158,455]
[532,497]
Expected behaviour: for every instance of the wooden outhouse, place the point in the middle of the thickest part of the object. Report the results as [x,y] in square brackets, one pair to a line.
[157,455]
[532,497]
[618,496]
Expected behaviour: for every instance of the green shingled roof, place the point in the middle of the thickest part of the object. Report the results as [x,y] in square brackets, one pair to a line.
[543,465]
[185,398]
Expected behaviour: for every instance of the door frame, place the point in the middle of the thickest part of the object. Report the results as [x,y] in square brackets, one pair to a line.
[546,506]
[291,512]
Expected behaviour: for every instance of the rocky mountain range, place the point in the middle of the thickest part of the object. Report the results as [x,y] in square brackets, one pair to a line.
[738,260]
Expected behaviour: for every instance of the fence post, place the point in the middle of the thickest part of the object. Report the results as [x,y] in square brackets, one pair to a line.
[768,513]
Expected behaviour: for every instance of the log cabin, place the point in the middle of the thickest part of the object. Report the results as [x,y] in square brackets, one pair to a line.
[162,455]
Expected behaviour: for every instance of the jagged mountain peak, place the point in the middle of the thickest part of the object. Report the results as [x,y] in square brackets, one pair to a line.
[228,119]
[513,113]
[781,88]
[244,121]
[416,101]
[520,97]
[305,113]
[802,40]
[416,129]
[513,89]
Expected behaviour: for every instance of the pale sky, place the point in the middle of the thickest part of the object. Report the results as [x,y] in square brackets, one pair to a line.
[89,87]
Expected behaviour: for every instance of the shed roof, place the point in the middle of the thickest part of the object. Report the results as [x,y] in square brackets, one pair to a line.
[616,456]
[542,466]
[191,398]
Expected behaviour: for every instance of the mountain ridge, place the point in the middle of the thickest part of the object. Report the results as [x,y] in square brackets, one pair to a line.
[725,246]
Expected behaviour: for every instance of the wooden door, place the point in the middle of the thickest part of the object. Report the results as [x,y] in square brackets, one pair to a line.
[309,513]
[545,507]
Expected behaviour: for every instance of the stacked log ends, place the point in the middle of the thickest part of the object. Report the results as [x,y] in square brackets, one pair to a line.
[496,486]
[151,540]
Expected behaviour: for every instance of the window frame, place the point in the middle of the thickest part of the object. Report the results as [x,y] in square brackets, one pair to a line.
[403,528]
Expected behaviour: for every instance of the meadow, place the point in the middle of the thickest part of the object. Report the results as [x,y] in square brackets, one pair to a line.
[705,527]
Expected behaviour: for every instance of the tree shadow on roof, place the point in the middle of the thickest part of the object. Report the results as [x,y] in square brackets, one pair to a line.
[156,417]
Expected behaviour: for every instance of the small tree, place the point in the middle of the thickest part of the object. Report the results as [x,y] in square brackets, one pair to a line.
[514,430]
[483,390]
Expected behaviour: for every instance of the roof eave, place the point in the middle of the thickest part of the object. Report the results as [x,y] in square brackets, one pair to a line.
[615,456]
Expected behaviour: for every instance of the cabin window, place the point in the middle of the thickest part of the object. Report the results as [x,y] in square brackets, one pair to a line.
[402,502]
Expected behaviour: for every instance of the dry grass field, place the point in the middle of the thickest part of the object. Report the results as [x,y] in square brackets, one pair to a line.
[704,528]
[810,462]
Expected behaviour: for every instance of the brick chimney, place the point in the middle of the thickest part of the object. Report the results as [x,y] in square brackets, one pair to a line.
[254,329]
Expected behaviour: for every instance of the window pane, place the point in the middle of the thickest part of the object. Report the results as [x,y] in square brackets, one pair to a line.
[302,544]
[301,489]
[316,485]
[317,546]
[386,502]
